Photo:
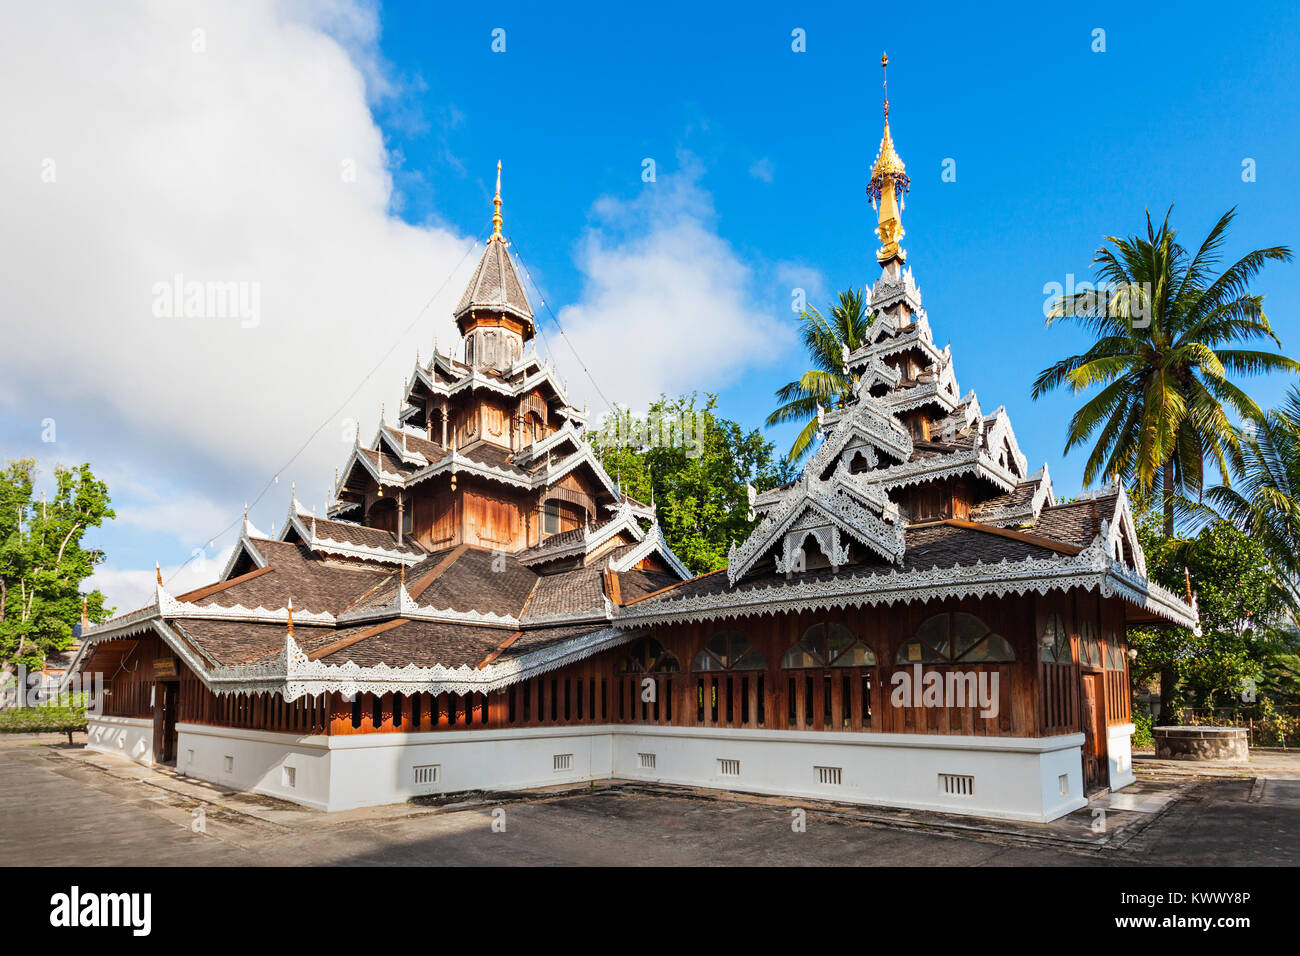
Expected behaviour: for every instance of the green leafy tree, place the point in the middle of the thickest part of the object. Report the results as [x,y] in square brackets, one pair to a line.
[1244,630]
[1164,324]
[828,383]
[43,561]
[697,468]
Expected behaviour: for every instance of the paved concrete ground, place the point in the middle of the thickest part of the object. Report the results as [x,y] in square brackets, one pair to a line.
[101,810]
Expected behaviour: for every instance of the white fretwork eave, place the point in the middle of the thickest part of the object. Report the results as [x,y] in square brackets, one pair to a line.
[974,461]
[243,546]
[292,675]
[881,531]
[1024,514]
[1092,569]
[1000,440]
[652,544]
[565,434]
[535,375]
[164,606]
[305,527]
[404,606]
[884,340]
[867,421]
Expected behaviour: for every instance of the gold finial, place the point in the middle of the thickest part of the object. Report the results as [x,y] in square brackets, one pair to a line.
[291,617]
[884,72]
[888,184]
[85,612]
[496,216]
[158,570]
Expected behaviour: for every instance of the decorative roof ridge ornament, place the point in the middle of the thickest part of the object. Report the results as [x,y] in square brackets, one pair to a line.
[496,215]
[888,185]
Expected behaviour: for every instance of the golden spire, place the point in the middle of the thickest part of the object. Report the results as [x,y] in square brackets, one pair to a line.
[888,184]
[496,216]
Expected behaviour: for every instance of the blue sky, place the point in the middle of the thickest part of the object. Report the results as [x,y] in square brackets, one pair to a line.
[1055,146]
[762,157]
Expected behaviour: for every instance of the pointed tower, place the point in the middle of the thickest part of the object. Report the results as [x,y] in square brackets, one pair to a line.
[894,293]
[494,315]
[889,183]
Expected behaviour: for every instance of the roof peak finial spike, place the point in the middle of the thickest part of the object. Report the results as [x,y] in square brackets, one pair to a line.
[884,85]
[889,183]
[496,215]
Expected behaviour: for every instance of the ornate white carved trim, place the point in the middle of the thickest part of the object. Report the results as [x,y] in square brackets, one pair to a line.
[971,462]
[868,420]
[306,529]
[653,543]
[290,673]
[931,393]
[1027,513]
[1091,568]
[403,605]
[997,429]
[242,546]
[883,535]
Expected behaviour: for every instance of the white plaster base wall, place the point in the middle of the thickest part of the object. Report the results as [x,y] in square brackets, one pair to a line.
[375,768]
[1119,753]
[130,737]
[1013,778]
[256,760]
[1033,779]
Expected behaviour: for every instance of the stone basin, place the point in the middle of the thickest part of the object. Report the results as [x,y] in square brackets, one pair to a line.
[1201,743]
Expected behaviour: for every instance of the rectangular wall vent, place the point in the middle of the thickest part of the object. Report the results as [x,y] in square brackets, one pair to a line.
[426,774]
[230,764]
[728,768]
[832,776]
[646,761]
[1063,781]
[956,785]
[288,776]
[563,762]
[189,756]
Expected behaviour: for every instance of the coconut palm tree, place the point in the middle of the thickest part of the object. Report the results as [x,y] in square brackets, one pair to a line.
[1163,324]
[1266,500]
[828,383]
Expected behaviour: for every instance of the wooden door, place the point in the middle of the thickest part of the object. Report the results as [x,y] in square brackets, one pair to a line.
[1095,770]
[166,697]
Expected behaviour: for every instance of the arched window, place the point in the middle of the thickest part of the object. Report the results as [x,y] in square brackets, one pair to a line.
[1089,648]
[647,656]
[1054,645]
[828,645]
[955,637]
[729,651]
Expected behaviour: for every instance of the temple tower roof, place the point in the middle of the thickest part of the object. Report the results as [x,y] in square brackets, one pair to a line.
[495,288]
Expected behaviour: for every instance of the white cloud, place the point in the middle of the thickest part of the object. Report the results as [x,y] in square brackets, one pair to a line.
[128,588]
[226,165]
[667,306]
[762,169]
[138,150]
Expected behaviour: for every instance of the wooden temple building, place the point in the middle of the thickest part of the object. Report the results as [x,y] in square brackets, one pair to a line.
[917,621]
